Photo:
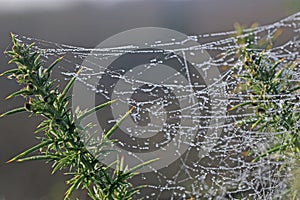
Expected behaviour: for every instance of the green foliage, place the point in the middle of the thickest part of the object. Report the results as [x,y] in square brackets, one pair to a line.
[274,101]
[273,98]
[61,142]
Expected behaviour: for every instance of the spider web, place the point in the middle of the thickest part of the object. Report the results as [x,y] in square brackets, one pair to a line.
[226,171]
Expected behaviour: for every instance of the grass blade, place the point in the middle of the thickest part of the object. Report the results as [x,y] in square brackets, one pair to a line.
[49,69]
[142,165]
[240,105]
[39,157]
[32,149]
[110,132]
[17,93]
[77,182]
[17,110]
[69,85]
[270,151]
[9,72]
[95,109]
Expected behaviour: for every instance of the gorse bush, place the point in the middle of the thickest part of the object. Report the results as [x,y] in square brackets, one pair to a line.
[61,140]
[274,103]
[273,98]
[271,88]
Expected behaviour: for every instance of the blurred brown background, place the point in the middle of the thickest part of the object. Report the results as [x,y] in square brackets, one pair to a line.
[87,23]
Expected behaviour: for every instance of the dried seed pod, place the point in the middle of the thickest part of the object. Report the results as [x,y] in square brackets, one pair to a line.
[27,106]
[46,99]
[34,73]
[19,77]
[247,63]
[30,87]
[26,77]
[30,100]
[49,98]
[261,111]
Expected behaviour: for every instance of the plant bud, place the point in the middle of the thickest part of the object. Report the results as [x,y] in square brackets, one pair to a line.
[26,77]
[30,87]
[48,98]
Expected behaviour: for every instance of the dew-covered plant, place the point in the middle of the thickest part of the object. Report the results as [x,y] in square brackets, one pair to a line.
[271,88]
[274,98]
[271,95]
[60,131]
